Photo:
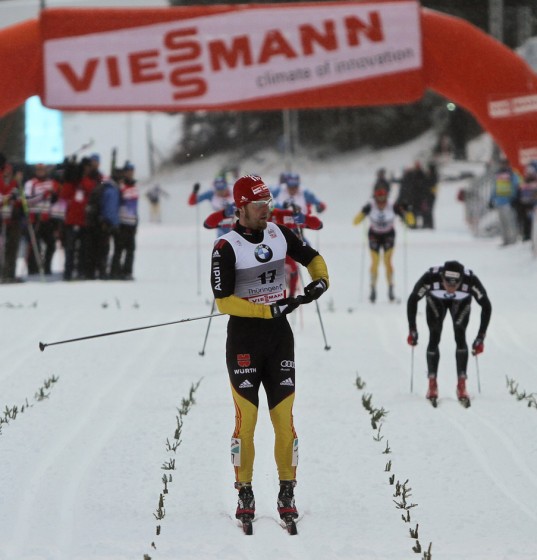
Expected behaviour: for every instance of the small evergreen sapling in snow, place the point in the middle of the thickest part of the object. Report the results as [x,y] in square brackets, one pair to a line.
[512,386]
[169,465]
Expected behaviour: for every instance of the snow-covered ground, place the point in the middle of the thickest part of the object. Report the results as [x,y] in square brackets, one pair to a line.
[82,470]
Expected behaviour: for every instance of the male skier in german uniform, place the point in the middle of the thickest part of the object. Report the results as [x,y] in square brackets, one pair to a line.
[449,287]
[248,282]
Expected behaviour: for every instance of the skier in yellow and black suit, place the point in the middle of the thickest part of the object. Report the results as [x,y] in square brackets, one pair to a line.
[248,282]
[381,236]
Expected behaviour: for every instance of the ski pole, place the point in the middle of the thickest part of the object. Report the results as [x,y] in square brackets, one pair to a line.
[202,351]
[412,370]
[43,345]
[362,263]
[31,231]
[3,238]
[477,370]
[326,347]
[83,147]
[198,248]
[405,261]
[300,235]
[113,162]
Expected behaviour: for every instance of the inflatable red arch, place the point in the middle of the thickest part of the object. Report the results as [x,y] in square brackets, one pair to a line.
[270,56]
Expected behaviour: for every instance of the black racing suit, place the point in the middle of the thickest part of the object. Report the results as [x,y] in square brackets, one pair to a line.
[439,302]
[247,274]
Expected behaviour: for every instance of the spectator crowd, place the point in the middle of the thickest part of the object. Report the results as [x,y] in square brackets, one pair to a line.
[73,207]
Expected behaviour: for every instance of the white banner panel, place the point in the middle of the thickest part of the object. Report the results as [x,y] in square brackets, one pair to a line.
[233,57]
[513,107]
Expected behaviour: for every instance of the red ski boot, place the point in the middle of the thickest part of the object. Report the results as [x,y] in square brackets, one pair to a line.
[462,394]
[432,391]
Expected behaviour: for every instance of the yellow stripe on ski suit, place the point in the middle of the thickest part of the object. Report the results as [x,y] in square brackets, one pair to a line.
[375,259]
[282,421]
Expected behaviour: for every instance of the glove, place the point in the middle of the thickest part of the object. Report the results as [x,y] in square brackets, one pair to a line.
[321,207]
[196,188]
[410,219]
[478,345]
[299,218]
[284,306]
[315,289]
[412,337]
[229,210]
[358,219]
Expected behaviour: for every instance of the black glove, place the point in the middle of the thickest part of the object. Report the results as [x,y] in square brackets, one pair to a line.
[478,345]
[196,188]
[284,306]
[315,289]
[412,337]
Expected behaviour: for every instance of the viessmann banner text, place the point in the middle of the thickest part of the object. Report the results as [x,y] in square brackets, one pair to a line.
[233,57]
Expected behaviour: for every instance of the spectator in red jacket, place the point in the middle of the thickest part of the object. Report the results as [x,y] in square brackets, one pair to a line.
[75,192]
[11,221]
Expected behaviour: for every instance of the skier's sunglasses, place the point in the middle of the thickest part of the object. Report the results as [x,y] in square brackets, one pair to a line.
[451,281]
[265,202]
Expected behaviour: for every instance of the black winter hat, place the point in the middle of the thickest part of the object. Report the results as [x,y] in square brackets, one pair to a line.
[452,271]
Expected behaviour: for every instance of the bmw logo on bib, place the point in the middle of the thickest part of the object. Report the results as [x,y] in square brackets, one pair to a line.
[263,253]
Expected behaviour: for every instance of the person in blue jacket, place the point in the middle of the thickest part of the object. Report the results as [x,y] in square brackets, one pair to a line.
[289,195]
[110,200]
[220,197]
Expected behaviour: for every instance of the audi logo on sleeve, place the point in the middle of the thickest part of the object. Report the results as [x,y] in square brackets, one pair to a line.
[287,364]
